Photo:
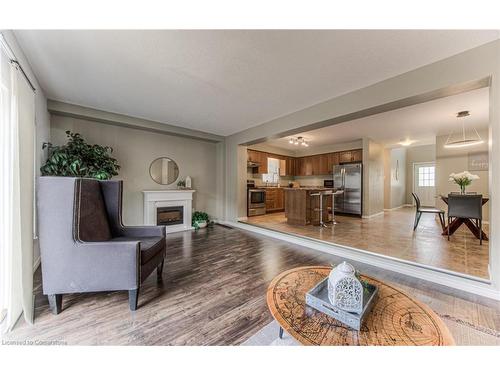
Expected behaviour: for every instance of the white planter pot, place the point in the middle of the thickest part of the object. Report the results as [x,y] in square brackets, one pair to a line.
[202,224]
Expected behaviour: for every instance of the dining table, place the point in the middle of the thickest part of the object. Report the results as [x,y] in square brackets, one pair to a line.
[458,221]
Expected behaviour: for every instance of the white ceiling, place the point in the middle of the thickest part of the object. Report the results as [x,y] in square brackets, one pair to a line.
[224,81]
[420,123]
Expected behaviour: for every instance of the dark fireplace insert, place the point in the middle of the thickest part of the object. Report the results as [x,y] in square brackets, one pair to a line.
[169,215]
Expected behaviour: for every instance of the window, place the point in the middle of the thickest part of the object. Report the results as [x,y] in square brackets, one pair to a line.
[426,176]
[273,171]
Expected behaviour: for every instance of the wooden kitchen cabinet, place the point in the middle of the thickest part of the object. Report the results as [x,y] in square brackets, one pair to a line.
[290,166]
[253,156]
[308,166]
[275,200]
[280,199]
[333,160]
[345,157]
[283,169]
[323,164]
[357,156]
[314,165]
[351,156]
[260,158]
[263,163]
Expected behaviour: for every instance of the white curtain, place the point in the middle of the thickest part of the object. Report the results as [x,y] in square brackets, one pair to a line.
[17,130]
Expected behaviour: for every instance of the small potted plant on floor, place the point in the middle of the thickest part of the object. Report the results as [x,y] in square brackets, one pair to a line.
[200,219]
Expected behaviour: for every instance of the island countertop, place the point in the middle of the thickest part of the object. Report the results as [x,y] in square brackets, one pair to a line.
[309,188]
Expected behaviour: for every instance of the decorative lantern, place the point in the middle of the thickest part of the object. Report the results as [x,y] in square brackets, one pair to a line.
[344,289]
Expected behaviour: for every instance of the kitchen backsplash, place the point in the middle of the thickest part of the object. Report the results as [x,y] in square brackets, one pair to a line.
[284,181]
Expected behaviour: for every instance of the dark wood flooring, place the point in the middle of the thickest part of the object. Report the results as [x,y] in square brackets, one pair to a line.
[213,293]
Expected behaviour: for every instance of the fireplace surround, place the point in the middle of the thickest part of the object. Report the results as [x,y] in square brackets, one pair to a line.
[172,208]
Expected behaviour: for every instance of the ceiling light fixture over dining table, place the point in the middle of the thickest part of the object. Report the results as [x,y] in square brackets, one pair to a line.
[464,140]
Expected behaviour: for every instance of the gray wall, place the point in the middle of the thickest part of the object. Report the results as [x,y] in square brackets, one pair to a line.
[373,177]
[394,177]
[42,117]
[135,149]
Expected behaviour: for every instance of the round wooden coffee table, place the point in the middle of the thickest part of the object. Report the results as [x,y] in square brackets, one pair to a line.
[395,319]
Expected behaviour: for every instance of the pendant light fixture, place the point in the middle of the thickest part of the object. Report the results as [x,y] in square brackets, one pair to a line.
[463,141]
[298,141]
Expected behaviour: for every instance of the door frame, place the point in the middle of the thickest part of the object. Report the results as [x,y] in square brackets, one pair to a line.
[413,176]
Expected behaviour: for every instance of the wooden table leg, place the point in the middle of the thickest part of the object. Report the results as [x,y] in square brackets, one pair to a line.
[475,230]
[457,222]
[454,225]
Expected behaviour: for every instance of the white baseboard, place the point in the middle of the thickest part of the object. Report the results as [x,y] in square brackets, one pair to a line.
[36,264]
[397,208]
[370,216]
[243,218]
[436,275]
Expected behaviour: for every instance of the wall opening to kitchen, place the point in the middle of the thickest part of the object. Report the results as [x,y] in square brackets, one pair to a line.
[354,183]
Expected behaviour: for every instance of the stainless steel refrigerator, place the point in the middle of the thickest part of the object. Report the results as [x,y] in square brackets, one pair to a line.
[349,178]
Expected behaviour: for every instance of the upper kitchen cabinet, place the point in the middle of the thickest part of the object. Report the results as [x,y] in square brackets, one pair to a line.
[333,160]
[262,163]
[253,156]
[259,158]
[357,155]
[284,171]
[291,169]
[307,166]
[322,165]
[351,156]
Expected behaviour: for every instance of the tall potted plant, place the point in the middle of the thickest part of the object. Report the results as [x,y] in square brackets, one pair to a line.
[79,159]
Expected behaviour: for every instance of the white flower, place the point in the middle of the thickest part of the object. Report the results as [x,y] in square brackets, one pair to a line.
[463,178]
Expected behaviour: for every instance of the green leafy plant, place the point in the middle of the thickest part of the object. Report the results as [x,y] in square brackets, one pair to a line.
[199,216]
[80,159]
[181,184]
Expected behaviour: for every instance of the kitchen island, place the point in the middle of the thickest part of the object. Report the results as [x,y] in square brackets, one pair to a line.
[301,207]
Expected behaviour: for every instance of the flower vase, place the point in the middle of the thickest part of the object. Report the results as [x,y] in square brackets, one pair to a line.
[462,189]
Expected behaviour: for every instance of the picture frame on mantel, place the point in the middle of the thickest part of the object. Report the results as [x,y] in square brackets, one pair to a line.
[478,161]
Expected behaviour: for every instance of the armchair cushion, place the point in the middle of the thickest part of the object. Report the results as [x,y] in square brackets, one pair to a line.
[92,220]
[149,246]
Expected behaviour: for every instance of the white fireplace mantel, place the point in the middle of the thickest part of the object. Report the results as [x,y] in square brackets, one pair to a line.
[168,198]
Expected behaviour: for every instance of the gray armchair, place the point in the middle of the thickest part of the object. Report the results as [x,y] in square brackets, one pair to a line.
[84,245]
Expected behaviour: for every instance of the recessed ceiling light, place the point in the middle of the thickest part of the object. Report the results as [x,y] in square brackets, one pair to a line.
[407,142]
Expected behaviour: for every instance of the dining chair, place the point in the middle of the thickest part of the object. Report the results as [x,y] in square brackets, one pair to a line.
[423,210]
[466,206]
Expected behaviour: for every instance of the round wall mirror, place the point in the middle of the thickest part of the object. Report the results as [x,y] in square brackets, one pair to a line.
[164,171]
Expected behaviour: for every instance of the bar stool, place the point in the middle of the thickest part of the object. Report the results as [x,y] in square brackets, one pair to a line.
[338,192]
[327,193]
[320,209]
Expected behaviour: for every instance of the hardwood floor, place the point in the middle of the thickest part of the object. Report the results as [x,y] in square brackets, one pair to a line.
[213,293]
[392,234]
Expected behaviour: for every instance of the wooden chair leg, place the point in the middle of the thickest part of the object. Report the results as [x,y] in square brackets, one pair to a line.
[133,297]
[159,271]
[417,219]
[55,303]
[480,232]
[448,228]
[441,219]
